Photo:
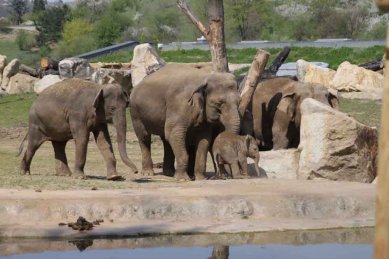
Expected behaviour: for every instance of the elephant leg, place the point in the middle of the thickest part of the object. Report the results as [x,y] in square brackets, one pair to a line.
[81,139]
[191,162]
[104,144]
[61,162]
[202,148]
[144,139]
[168,158]
[35,140]
[176,135]
[235,170]
[243,165]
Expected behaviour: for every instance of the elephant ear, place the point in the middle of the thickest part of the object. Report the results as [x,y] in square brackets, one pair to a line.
[287,105]
[333,98]
[99,99]
[197,101]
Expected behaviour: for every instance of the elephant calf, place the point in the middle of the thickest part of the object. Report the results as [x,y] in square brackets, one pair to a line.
[71,109]
[233,150]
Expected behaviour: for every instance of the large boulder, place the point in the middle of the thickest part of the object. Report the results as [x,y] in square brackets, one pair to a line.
[74,67]
[278,164]
[9,70]
[3,63]
[45,82]
[335,146]
[144,62]
[310,73]
[121,76]
[351,77]
[21,83]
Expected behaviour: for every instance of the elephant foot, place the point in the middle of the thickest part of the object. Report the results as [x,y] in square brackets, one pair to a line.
[240,176]
[182,176]
[200,177]
[148,172]
[169,173]
[80,176]
[25,172]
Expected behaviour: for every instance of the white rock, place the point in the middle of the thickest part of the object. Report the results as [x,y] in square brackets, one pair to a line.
[45,82]
[335,146]
[310,73]
[74,67]
[3,63]
[144,62]
[9,70]
[350,77]
[278,164]
[21,83]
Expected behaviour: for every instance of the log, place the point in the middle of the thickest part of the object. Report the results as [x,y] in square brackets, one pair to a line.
[374,65]
[251,80]
[28,70]
[278,61]
[48,63]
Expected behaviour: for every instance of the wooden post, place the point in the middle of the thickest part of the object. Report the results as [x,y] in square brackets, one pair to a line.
[381,242]
[252,78]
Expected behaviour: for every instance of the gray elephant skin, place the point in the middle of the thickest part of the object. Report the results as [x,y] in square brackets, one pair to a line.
[71,109]
[276,110]
[232,150]
[182,104]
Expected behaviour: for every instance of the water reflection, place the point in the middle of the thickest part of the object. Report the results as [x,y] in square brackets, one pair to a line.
[220,252]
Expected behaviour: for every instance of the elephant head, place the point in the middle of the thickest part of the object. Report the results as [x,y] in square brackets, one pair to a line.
[110,103]
[216,101]
[290,103]
[252,151]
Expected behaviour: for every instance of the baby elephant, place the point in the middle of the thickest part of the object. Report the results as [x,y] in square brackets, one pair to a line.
[233,150]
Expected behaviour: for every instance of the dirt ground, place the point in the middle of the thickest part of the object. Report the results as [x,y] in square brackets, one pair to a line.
[43,170]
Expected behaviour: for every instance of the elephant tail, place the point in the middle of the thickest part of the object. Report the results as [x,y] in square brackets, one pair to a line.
[21,146]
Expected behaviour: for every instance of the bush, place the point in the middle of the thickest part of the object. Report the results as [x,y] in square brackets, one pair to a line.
[25,40]
[77,38]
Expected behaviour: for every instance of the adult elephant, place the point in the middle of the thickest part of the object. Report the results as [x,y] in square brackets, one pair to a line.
[277,113]
[71,109]
[182,104]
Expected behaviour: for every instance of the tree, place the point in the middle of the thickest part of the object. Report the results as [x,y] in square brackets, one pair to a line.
[49,23]
[214,33]
[38,6]
[18,9]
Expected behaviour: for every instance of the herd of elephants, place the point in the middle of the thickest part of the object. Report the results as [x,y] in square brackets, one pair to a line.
[193,111]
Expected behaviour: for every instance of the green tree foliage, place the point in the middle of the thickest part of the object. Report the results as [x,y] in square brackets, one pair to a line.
[38,6]
[25,40]
[18,9]
[77,38]
[49,23]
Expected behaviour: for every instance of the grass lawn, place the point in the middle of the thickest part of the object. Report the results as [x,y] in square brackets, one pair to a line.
[10,49]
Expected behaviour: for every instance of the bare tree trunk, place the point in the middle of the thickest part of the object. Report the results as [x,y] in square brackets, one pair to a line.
[250,82]
[217,43]
[214,33]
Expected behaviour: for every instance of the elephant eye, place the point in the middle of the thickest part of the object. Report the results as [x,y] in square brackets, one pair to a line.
[112,109]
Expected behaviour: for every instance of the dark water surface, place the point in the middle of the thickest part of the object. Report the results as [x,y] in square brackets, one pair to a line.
[324,244]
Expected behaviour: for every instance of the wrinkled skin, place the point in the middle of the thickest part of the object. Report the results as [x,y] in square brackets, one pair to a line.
[182,104]
[72,109]
[276,110]
[233,150]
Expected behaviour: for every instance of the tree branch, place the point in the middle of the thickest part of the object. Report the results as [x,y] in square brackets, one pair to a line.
[185,9]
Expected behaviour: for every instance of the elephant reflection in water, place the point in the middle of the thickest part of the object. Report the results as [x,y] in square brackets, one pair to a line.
[220,252]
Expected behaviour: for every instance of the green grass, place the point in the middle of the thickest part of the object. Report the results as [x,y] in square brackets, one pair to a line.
[10,49]
[14,110]
[332,56]
[365,111]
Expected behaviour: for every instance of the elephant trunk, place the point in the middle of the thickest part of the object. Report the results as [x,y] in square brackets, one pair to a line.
[231,122]
[120,124]
[256,164]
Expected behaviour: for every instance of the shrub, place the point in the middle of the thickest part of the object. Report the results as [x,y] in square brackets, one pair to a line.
[25,40]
